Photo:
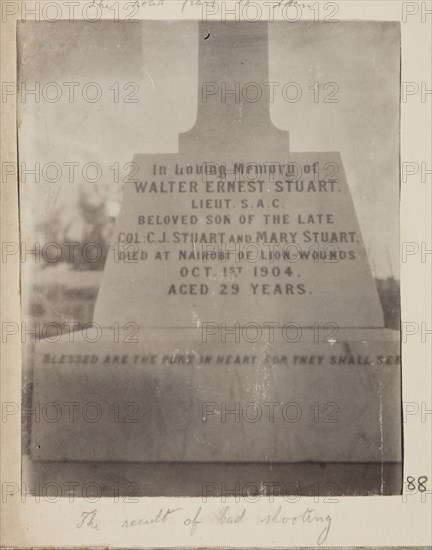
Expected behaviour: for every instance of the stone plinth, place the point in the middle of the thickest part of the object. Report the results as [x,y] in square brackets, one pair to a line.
[157,401]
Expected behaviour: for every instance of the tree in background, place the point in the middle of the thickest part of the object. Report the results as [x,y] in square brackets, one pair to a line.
[90,222]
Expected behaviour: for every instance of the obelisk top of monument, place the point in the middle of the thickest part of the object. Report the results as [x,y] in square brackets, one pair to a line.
[233,90]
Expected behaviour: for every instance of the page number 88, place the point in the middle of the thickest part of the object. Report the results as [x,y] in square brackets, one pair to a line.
[417,485]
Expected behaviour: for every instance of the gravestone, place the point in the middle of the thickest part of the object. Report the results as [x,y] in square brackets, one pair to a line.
[241,319]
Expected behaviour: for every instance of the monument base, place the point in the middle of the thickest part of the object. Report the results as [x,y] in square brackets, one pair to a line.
[130,480]
[174,399]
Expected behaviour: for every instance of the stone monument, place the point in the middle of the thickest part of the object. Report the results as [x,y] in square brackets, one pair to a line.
[253,333]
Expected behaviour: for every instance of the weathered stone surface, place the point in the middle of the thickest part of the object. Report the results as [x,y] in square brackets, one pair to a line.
[160,401]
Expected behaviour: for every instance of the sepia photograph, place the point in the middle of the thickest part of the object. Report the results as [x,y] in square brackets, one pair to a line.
[210,285]
[215,274]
